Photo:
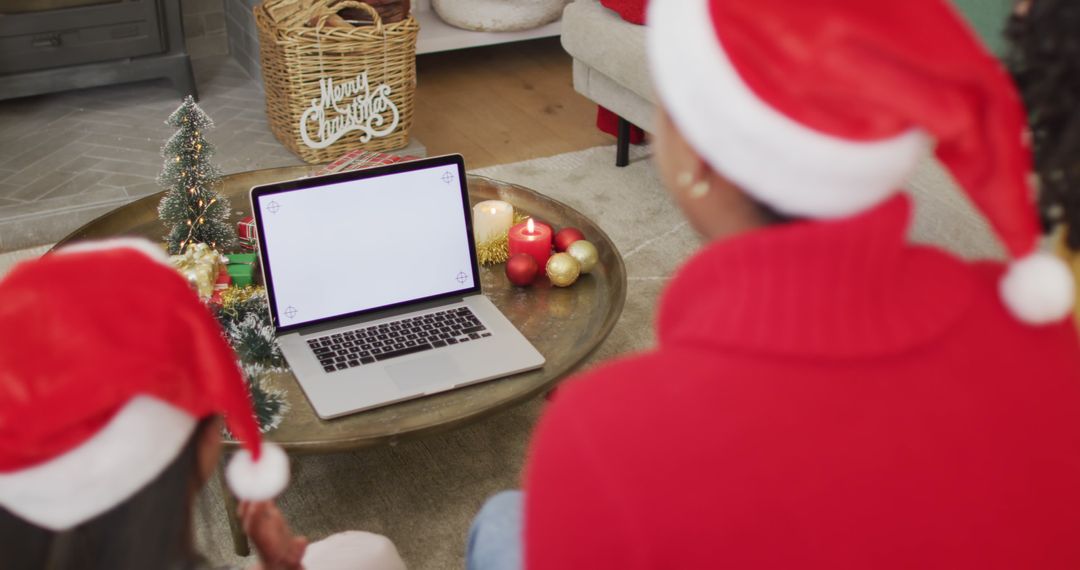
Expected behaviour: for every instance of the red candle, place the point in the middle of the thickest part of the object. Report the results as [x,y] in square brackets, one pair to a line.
[533,239]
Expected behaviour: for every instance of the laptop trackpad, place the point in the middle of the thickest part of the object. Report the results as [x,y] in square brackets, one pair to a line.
[421,374]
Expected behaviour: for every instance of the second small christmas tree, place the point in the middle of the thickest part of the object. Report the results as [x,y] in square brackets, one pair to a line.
[193,211]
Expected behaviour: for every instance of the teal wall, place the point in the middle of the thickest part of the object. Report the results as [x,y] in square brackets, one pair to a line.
[988,17]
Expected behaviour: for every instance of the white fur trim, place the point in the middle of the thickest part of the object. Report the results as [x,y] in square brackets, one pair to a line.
[796,170]
[261,480]
[1038,289]
[151,249]
[143,438]
[353,549]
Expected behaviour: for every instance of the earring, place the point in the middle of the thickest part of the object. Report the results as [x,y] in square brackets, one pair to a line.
[699,190]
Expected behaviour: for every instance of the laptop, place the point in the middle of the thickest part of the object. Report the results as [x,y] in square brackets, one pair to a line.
[374,287]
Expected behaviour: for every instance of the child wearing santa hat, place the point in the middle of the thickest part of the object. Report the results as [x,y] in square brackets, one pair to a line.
[824,394]
[114,380]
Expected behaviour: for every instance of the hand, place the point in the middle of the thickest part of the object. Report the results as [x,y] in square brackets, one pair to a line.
[267,529]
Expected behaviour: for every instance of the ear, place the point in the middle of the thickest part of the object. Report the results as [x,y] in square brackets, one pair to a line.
[208,449]
[693,163]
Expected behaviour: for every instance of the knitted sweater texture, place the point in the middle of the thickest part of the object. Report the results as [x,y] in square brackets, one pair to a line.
[823,395]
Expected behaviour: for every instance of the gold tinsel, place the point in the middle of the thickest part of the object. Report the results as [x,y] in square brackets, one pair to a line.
[234,295]
[493,252]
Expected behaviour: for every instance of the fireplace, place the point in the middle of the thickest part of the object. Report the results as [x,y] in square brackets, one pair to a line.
[56,45]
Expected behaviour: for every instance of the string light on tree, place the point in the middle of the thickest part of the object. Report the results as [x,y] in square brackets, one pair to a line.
[198,215]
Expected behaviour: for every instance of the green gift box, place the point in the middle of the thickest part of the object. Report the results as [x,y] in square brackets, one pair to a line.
[242,268]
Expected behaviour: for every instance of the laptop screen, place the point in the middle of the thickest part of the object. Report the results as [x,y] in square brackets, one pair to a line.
[344,247]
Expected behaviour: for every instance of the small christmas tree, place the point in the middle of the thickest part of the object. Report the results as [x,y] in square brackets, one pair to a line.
[191,209]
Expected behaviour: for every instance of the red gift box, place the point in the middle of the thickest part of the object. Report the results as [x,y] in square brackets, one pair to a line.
[220,285]
[245,230]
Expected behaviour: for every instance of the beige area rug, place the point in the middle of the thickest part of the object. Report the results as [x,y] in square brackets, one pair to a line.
[423,494]
[7,260]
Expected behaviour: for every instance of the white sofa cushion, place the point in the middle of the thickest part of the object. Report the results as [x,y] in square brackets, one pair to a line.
[600,39]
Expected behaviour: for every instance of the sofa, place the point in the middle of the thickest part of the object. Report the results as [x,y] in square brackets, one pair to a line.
[610,66]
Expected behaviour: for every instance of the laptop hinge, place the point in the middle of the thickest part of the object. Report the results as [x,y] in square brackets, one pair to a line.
[379,315]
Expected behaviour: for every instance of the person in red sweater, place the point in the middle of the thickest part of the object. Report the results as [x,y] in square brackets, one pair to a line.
[824,394]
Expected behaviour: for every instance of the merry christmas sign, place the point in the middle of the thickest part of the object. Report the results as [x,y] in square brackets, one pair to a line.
[345,107]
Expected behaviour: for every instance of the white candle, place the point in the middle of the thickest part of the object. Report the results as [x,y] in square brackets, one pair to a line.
[491,218]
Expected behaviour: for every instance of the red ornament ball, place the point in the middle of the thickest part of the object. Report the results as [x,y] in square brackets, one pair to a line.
[567,236]
[522,269]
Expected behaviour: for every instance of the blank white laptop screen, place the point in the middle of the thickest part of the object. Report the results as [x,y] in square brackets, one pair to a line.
[363,244]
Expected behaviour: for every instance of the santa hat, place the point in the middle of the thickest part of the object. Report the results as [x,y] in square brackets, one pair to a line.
[108,363]
[821,109]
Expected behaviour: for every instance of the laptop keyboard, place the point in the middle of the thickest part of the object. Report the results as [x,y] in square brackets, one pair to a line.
[340,351]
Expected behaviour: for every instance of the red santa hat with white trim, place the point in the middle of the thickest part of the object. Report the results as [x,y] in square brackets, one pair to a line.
[821,109]
[109,363]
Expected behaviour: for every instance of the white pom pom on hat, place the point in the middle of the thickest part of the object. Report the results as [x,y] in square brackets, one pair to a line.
[261,479]
[1038,289]
[821,109]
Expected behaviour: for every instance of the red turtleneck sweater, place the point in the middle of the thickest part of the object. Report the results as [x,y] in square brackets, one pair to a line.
[824,395]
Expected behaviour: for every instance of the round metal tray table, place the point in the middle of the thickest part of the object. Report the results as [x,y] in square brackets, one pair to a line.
[565,325]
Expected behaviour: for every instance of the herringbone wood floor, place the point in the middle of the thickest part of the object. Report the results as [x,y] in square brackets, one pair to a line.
[503,104]
[66,158]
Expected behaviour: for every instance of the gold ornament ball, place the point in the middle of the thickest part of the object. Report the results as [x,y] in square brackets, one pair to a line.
[563,270]
[585,253]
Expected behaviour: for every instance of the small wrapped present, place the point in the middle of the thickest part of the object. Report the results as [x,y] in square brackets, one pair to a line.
[245,231]
[201,266]
[224,280]
[242,268]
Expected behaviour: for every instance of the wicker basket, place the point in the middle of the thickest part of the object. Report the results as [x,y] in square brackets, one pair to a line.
[330,90]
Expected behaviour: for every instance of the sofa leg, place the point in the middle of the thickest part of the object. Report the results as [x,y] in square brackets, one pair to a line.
[622,147]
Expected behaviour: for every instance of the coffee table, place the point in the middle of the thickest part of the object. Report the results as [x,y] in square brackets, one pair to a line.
[565,325]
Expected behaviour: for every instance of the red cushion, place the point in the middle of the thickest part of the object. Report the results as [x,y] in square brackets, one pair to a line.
[632,11]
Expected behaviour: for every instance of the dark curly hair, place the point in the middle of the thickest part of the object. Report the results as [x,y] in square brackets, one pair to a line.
[1044,59]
